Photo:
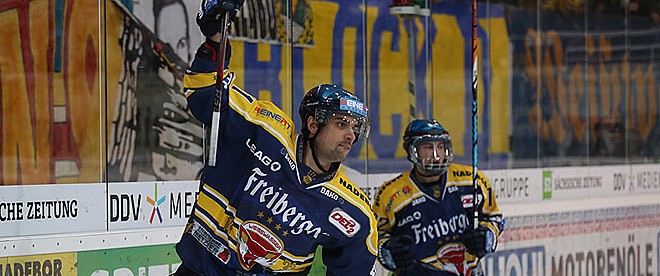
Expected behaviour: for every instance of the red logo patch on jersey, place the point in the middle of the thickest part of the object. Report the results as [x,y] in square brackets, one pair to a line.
[344,222]
[468,202]
[257,244]
[451,257]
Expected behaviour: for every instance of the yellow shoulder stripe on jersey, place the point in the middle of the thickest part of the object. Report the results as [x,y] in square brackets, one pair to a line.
[211,225]
[351,193]
[267,115]
[213,208]
[193,81]
[348,184]
[404,201]
[399,193]
[219,197]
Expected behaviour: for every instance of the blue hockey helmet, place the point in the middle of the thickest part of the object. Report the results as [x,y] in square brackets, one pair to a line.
[428,130]
[325,100]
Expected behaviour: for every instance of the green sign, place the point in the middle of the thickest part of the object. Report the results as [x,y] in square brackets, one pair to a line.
[144,261]
[547,184]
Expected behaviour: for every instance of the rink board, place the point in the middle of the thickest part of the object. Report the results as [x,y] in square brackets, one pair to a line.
[560,221]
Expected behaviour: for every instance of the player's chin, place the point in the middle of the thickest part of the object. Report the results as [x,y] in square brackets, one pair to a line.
[341,154]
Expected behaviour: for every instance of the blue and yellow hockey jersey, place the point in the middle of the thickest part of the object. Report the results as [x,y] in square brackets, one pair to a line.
[261,209]
[434,217]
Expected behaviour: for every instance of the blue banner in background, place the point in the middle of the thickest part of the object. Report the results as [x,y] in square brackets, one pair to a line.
[350,38]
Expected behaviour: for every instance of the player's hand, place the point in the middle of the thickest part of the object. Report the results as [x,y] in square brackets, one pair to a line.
[395,253]
[479,242]
[209,17]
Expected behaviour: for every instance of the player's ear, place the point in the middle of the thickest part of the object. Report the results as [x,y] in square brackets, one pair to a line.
[312,126]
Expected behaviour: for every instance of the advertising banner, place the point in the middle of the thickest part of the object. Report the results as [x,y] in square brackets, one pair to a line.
[143,261]
[612,241]
[51,209]
[150,204]
[644,179]
[523,185]
[583,182]
[44,265]
[632,252]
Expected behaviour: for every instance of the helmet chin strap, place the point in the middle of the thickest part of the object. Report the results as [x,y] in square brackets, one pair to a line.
[312,146]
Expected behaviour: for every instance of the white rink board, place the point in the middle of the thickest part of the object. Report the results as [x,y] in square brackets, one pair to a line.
[154,204]
[633,252]
[583,182]
[644,179]
[523,185]
[561,227]
[51,209]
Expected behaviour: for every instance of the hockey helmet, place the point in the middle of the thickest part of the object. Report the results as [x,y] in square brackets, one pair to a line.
[326,100]
[428,130]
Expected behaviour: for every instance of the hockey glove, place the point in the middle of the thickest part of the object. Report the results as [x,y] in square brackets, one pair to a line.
[210,49]
[480,241]
[209,17]
[395,253]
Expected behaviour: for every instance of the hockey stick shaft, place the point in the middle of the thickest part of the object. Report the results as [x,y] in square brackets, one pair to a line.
[219,87]
[475,138]
[412,74]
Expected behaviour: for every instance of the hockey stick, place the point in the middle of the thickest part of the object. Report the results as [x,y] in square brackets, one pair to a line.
[475,139]
[215,122]
[412,74]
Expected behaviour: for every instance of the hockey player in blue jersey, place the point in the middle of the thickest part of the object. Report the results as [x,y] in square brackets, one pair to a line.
[274,196]
[423,214]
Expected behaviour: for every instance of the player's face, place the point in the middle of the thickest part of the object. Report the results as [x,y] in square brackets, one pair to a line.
[431,152]
[335,140]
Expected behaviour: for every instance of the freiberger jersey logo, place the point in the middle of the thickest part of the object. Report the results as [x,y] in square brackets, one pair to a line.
[275,199]
[344,222]
[439,228]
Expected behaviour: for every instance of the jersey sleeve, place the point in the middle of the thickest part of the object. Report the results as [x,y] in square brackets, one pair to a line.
[351,257]
[199,87]
[352,248]
[382,204]
[489,213]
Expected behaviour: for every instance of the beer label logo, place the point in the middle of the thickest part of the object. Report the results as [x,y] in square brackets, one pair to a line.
[257,244]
